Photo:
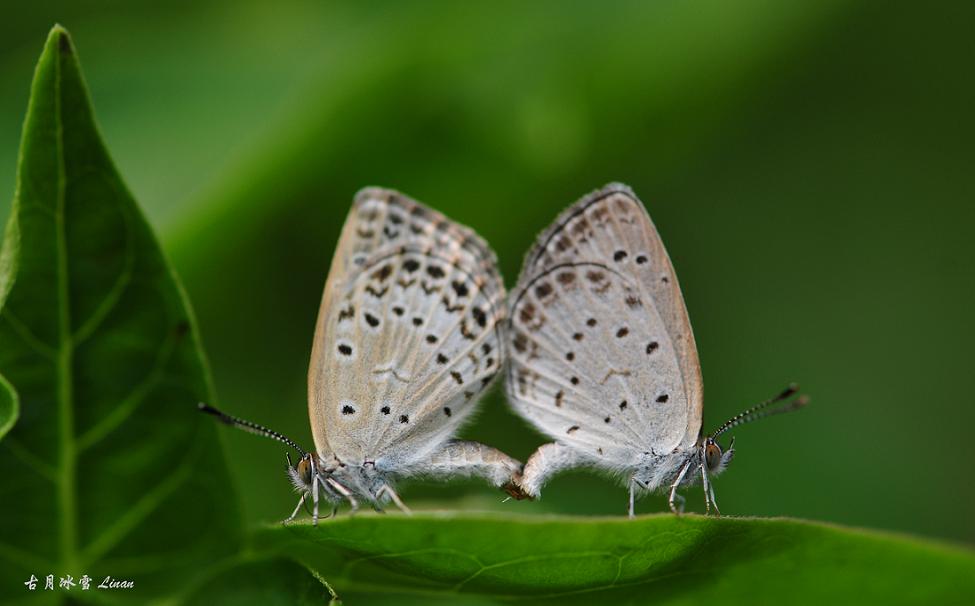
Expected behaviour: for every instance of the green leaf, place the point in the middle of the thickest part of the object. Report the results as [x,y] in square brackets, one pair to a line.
[109,470]
[9,406]
[262,583]
[660,559]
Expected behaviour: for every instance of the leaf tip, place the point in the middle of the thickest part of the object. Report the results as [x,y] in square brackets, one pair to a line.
[60,35]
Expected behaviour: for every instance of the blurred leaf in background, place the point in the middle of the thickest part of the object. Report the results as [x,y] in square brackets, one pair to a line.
[807,164]
[109,470]
[9,406]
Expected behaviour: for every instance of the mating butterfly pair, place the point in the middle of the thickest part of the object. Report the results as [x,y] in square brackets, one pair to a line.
[414,325]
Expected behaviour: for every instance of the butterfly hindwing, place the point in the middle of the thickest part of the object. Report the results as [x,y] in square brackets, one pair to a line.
[591,364]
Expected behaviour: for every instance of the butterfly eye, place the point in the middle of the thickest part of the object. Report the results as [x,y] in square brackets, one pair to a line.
[712,453]
[304,470]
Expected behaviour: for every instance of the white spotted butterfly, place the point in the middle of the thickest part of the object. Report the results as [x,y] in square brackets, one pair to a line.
[409,335]
[603,359]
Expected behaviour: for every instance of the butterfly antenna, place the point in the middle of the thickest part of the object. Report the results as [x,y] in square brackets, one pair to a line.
[760,411]
[249,427]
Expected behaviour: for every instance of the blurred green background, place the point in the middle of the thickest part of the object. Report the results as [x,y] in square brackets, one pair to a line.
[809,166]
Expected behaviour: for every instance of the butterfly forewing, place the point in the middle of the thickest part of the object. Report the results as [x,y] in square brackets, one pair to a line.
[385,219]
[408,333]
[602,352]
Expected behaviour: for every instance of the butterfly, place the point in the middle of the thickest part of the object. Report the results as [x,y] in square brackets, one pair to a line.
[603,358]
[408,337]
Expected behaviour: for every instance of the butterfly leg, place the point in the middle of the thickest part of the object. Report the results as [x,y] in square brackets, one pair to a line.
[548,460]
[680,501]
[708,491]
[345,492]
[314,497]
[466,458]
[386,489]
[301,502]
[673,490]
[634,484]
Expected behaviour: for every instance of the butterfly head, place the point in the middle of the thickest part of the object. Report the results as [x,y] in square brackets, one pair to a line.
[714,457]
[301,473]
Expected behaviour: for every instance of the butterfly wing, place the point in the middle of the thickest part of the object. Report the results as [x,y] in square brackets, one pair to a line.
[602,353]
[408,333]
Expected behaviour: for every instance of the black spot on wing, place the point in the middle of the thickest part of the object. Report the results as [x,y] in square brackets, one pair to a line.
[479,316]
[383,272]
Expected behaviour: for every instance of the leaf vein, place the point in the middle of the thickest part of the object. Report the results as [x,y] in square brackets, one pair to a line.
[114,534]
[28,337]
[429,550]
[114,295]
[19,557]
[42,467]
[131,402]
[67,486]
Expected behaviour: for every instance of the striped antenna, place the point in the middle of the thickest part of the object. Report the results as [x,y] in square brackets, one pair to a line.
[759,410]
[249,427]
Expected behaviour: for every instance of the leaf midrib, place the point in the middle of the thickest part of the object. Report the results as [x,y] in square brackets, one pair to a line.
[67,464]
